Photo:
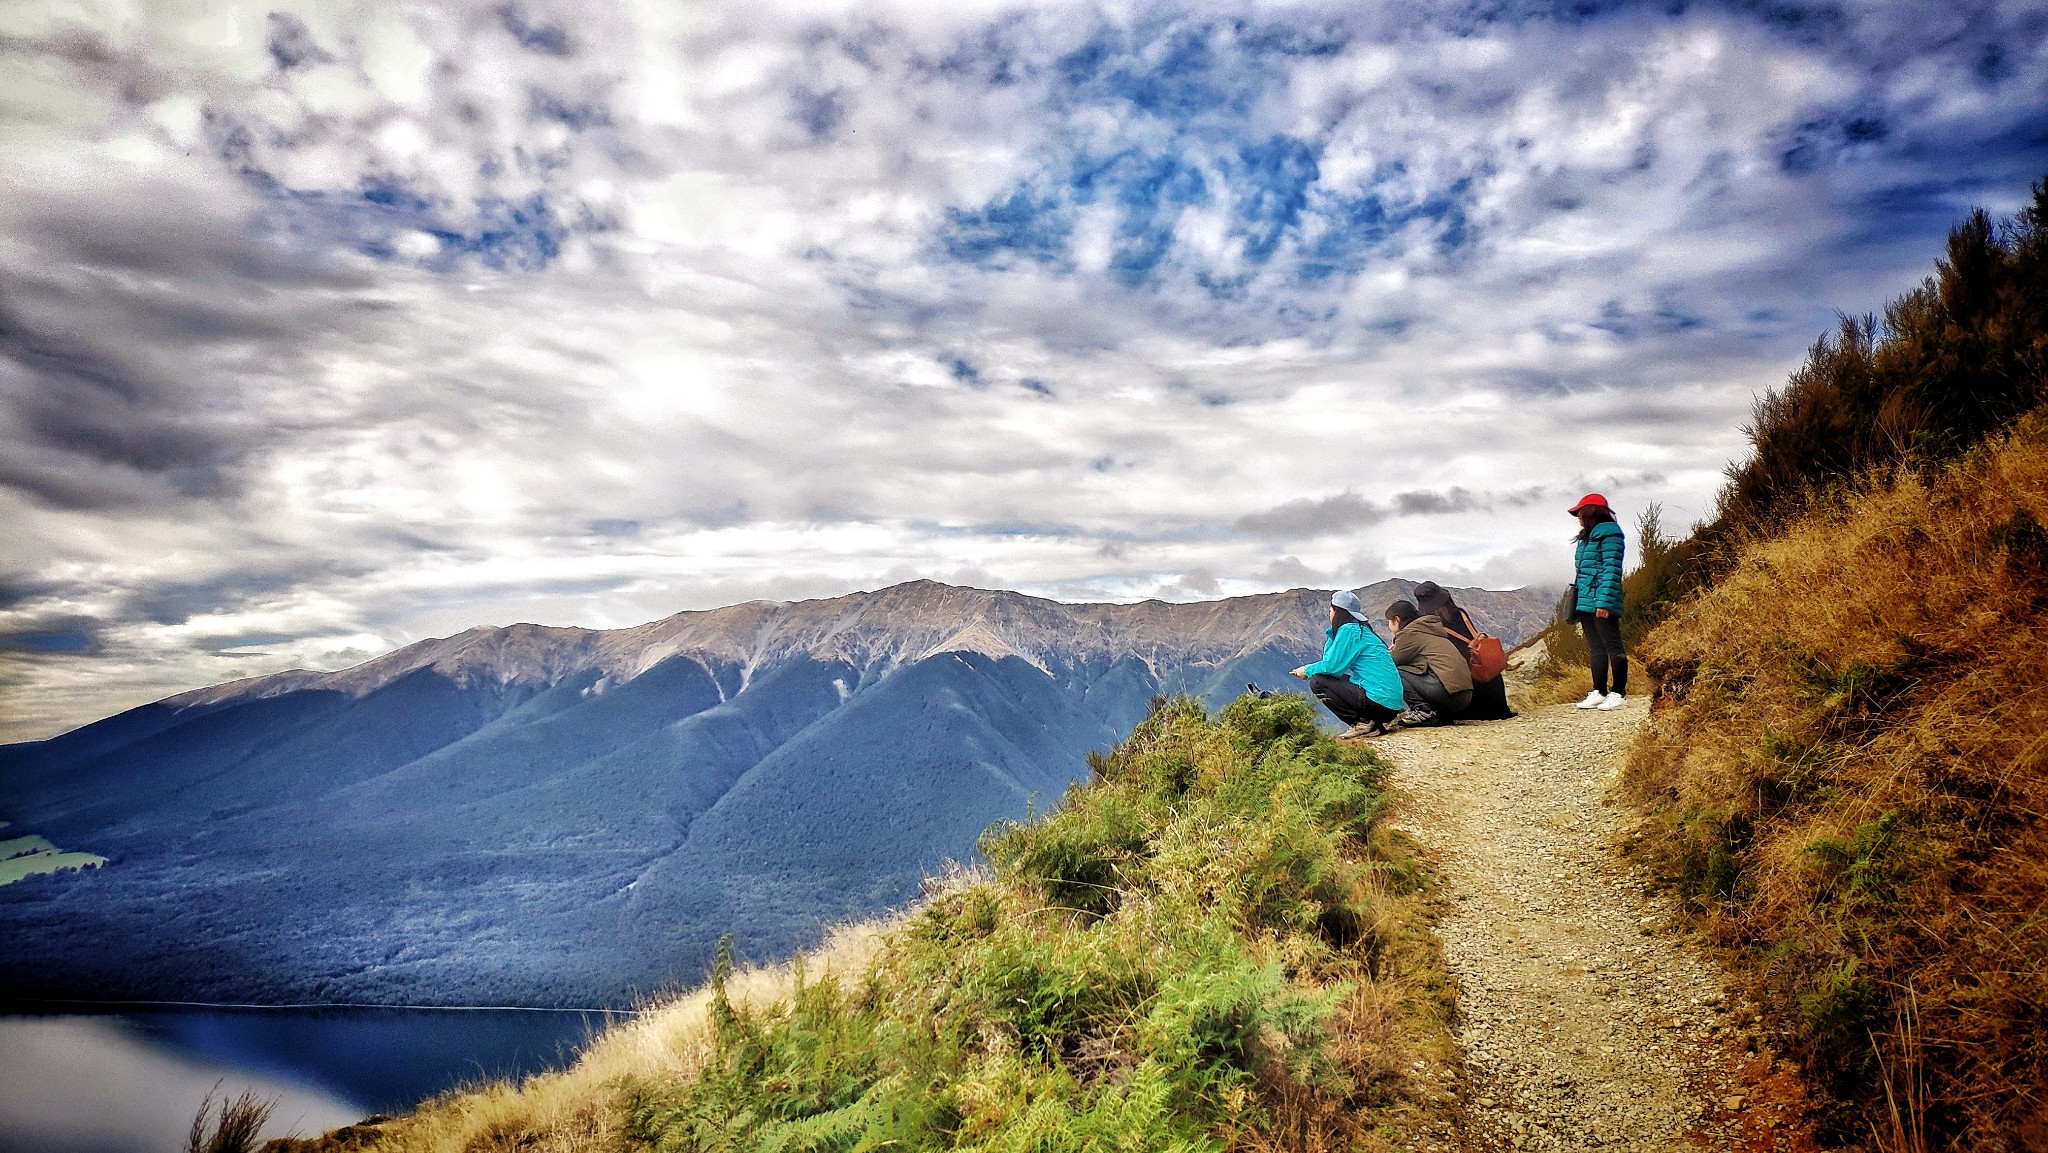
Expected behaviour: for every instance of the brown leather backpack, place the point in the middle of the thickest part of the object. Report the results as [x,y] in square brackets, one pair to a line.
[1482,652]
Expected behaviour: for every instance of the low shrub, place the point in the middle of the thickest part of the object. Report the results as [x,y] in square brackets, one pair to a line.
[1190,953]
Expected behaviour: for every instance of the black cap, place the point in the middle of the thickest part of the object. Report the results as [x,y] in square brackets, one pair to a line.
[1431,596]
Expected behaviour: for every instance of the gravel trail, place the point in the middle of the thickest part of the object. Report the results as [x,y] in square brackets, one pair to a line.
[1588,1021]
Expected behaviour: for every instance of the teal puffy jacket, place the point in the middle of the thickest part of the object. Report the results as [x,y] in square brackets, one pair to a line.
[1599,563]
[1357,654]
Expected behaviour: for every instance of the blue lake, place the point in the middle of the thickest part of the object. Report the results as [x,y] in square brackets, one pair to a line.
[114,1082]
[381,1059]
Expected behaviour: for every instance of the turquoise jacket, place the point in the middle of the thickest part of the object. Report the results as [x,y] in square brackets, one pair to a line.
[1357,654]
[1599,564]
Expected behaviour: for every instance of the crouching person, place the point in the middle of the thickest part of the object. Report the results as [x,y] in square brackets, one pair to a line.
[1356,679]
[1436,682]
[1489,698]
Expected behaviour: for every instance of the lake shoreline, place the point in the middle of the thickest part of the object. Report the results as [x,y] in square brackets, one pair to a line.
[328,1065]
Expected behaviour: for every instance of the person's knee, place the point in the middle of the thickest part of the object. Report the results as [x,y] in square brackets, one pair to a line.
[1427,690]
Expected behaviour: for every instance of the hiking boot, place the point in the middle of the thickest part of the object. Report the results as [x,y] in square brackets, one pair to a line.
[1593,700]
[1417,718]
[1363,730]
[1611,703]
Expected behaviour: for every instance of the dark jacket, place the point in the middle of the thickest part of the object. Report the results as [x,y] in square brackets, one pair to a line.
[1457,623]
[1598,558]
[1422,646]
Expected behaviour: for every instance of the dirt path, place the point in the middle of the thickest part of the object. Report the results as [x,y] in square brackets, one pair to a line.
[1587,1022]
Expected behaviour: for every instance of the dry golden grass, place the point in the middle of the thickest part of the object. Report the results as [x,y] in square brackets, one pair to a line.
[1849,771]
[576,1110]
[1554,683]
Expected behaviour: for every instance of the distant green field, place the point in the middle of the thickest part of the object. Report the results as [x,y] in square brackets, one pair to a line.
[22,846]
[26,856]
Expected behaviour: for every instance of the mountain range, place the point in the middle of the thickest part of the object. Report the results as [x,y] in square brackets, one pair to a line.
[561,816]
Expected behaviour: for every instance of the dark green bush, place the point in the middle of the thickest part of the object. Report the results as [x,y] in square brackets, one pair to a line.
[1949,363]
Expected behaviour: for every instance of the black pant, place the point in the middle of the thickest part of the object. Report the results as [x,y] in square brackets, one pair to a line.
[1489,701]
[1603,650]
[1427,691]
[1347,702]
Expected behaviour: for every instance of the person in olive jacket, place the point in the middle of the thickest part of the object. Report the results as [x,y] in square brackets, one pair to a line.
[1596,587]
[1489,698]
[1435,679]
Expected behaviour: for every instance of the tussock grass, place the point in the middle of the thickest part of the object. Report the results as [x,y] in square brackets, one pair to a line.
[581,1108]
[1213,945]
[1848,776]
[228,1124]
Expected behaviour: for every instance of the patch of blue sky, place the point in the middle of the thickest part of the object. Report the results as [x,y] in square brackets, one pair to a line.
[1027,223]
[523,233]
[50,642]
[384,216]
[1178,76]
[1268,184]
[820,113]
[394,196]
[578,115]
[1015,529]
[1831,140]
[534,35]
[1354,226]
[1271,180]
[1187,97]
[1666,316]
[1805,21]
[1979,167]
[1151,191]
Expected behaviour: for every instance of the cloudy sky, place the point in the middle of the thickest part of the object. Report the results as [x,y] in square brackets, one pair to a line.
[330,326]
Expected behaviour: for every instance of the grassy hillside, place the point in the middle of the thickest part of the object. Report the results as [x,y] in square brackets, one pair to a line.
[1851,776]
[1847,768]
[1213,945]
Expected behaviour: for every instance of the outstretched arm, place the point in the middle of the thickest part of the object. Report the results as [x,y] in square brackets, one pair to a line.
[1339,652]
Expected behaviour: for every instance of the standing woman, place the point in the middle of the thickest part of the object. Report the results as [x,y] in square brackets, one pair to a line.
[1597,589]
[1355,680]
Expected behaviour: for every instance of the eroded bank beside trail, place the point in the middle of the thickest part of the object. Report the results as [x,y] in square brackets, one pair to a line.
[1588,1021]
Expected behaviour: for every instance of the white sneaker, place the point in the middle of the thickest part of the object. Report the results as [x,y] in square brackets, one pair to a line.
[1593,700]
[1613,702]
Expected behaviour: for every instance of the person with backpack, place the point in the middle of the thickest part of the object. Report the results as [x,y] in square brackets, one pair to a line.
[1436,681]
[1489,697]
[1596,604]
[1355,680]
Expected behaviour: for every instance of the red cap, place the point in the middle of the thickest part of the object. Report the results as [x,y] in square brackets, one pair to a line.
[1590,500]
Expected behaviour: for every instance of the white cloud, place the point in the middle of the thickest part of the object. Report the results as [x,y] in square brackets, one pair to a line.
[324,336]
